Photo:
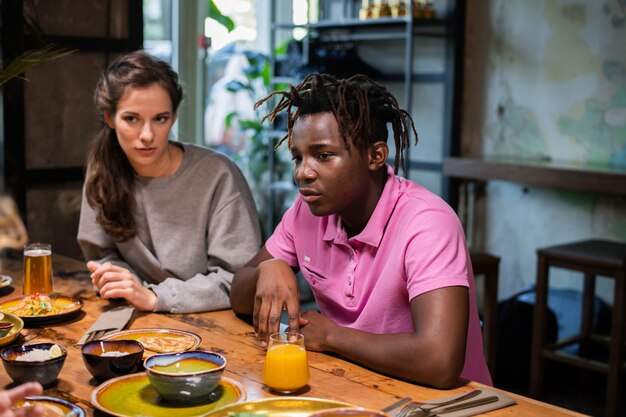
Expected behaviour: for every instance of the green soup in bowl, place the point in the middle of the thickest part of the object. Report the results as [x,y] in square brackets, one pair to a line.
[188,376]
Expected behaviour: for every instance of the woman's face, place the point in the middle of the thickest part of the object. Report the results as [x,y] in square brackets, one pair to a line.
[142,123]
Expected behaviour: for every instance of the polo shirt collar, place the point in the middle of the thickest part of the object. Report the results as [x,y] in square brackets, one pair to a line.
[373,232]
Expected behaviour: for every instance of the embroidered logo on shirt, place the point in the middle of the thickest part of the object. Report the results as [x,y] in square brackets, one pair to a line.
[307,259]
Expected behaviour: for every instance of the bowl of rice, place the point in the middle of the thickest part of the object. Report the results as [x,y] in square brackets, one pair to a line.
[39,362]
[107,359]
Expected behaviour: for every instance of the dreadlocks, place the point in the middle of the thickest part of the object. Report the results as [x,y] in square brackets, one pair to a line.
[361,107]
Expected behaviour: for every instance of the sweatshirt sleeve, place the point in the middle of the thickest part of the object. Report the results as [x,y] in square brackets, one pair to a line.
[233,238]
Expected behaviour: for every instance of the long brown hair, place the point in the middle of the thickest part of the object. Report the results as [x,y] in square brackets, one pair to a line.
[361,106]
[109,178]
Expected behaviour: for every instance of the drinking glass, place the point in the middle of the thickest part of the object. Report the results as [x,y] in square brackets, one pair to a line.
[37,268]
[286,368]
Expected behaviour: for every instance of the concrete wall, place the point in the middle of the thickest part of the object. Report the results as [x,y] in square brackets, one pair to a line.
[545,79]
[60,117]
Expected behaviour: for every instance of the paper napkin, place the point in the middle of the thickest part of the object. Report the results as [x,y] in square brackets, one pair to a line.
[110,321]
[503,401]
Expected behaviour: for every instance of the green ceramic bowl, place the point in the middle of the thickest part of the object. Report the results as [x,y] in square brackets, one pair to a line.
[188,377]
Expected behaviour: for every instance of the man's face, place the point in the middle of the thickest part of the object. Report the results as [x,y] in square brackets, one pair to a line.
[331,178]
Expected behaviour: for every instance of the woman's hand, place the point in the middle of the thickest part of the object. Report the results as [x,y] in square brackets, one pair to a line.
[11,396]
[116,282]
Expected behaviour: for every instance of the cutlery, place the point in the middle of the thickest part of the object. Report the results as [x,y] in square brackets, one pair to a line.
[456,407]
[53,297]
[95,335]
[426,406]
[395,405]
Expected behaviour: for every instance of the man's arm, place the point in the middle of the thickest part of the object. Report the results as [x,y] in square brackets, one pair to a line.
[243,289]
[434,354]
[264,287]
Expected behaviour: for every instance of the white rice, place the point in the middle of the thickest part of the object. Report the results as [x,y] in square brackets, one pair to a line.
[35,355]
[114,353]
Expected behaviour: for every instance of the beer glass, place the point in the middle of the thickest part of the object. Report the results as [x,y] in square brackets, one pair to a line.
[286,368]
[37,268]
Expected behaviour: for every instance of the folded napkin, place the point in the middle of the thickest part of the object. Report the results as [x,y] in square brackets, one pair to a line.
[503,401]
[110,321]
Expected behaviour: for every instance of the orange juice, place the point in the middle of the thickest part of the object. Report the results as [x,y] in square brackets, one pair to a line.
[37,268]
[286,367]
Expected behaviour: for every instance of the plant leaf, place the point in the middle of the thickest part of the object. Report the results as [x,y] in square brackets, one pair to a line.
[30,59]
[216,14]
[234,86]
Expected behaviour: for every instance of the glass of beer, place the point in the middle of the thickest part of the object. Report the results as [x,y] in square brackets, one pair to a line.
[286,367]
[37,268]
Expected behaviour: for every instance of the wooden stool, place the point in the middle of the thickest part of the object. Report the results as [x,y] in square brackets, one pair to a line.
[488,266]
[591,257]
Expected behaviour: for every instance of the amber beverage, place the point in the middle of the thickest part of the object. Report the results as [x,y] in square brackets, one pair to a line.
[37,268]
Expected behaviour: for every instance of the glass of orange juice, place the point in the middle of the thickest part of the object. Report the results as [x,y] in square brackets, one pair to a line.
[286,367]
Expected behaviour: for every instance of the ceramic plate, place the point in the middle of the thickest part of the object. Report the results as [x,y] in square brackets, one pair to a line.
[132,395]
[165,340]
[55,407]
[64,307]
[279,407]
[18,325]
[5,281]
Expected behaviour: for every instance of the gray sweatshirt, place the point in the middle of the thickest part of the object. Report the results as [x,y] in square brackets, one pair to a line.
[194,230]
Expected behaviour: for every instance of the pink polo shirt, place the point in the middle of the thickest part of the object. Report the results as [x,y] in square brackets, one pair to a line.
[412,244]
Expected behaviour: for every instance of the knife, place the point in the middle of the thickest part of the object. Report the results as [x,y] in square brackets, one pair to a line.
[397,404]
[447,409]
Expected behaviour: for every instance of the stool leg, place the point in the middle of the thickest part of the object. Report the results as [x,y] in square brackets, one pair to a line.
[586,318]
[616,354]
[539,328]
[491,312]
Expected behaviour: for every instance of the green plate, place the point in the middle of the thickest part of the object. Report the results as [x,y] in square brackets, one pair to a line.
[280,407]
[132,395]
[15,331]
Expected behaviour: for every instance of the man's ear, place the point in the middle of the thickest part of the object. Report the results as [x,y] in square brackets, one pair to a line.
[378,153]
[108,120]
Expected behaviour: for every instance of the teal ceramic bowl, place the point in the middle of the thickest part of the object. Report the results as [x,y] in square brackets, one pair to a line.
[187,377]
[44,370]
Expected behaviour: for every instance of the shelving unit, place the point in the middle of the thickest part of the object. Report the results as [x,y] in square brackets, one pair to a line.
[339,23]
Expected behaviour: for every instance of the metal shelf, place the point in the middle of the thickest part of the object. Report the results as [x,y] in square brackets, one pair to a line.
[406,29]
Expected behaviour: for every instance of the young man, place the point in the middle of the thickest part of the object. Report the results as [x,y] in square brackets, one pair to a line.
[386,259]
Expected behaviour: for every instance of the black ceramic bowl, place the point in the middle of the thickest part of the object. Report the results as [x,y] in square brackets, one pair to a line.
[44,371]
[111,358]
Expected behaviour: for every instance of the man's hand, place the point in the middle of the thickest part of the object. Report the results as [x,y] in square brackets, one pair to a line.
[276,289]
[316,329]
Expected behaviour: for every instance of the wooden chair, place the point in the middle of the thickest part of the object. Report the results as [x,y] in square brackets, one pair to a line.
[486,265]
[592,258]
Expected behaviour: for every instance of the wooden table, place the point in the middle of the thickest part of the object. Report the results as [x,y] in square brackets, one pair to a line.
[221,331]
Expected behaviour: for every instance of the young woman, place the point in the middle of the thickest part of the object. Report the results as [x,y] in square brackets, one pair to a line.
[163,224]
[385,258]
